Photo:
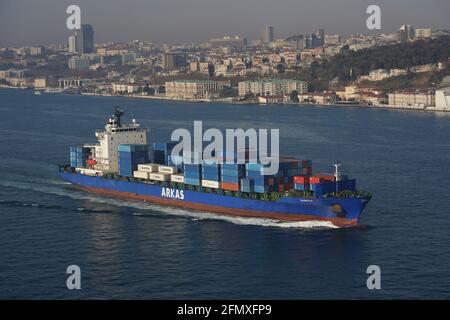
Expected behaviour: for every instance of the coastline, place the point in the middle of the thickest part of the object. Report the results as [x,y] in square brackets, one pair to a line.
[228,101]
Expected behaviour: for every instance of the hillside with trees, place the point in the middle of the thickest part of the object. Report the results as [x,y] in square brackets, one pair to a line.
[349,66]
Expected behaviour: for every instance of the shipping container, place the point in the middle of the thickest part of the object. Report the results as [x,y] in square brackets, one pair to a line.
[159,176]
[231,179]
[229,186]
[210,184]
[192,181]
[141,175]
[166,169]
[177,178]
[148,167]
[247,185]
[130,156]
[301,179]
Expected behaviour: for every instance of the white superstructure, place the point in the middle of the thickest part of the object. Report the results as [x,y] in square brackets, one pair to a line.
[115,133]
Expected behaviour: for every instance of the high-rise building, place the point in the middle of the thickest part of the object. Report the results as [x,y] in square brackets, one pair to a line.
[172,60]
[267,34]
[85,39]
[320,35]
[407,32]
[73,44]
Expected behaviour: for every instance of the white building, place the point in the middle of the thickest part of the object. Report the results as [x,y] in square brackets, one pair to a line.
[125,88]
[272,87]
[423,33]
[195,89]
[106,151]
[40,83]
[443,99]
[416,100]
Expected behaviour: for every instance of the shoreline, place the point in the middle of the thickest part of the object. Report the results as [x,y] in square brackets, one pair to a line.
[223,101]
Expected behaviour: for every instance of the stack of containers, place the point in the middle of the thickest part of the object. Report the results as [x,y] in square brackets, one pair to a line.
[301,183]
[162,151]
[262,183]
[288,169]
[192,174]
[78,156]
[211,173]
[232,175]
[130,155]
[247,185]
[144,170]
[306,168]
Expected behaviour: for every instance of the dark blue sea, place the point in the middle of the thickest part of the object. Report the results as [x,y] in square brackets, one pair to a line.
[130,249]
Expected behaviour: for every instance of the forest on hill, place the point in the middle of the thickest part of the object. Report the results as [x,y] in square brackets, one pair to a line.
[349,66]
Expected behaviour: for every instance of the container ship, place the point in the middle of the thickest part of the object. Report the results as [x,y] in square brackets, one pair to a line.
[123,164]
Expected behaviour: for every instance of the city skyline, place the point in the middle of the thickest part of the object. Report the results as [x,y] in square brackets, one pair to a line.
[25,23]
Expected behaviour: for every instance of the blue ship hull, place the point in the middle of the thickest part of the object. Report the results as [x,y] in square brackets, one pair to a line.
[339,211]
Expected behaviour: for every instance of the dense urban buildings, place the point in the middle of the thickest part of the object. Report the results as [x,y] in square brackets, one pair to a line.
[232,69]
[228,41]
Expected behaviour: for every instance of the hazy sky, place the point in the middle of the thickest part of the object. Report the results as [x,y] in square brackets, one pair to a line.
[33,22]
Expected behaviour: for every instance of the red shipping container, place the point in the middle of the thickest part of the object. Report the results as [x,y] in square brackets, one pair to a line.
[301,179]
[229,186]
[321,178]
[315,179]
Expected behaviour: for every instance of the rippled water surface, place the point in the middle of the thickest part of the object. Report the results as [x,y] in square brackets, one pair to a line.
[131,249]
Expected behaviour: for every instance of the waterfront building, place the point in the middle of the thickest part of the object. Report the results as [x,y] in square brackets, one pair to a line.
[443,99]
[40,83]
[412,99]
[195,89]
[272,87]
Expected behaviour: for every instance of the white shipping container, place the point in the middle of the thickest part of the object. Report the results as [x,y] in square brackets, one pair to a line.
[177,178]
[141,174]
[148,167]
[166,169]
[159,176]
[210,184]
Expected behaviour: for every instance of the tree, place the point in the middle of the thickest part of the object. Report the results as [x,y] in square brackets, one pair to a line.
[227,92]
[294,96]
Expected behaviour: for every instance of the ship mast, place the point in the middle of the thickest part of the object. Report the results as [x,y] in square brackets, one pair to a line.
[117,116]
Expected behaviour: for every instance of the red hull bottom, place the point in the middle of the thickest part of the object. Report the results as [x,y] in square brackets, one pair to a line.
[340,222]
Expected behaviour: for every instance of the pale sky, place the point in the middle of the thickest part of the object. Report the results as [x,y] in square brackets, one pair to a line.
[35,22]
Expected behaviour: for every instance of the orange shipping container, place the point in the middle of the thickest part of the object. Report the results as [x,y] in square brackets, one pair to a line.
[229,186]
